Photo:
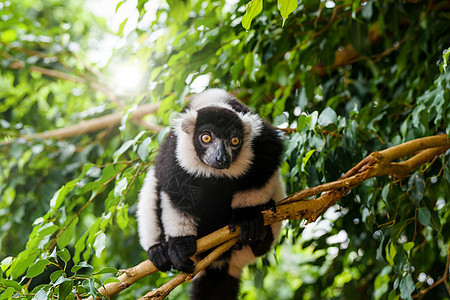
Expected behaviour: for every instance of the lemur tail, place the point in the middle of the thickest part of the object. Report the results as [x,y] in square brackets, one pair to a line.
[215,284]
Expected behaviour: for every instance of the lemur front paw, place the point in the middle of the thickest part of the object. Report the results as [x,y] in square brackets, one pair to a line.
[180,249]
[159,256]
[251,222]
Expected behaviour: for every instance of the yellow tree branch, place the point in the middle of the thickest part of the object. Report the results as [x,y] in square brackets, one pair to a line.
[297,206]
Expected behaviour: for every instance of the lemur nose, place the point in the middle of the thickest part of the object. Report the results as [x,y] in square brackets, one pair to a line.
[221,159]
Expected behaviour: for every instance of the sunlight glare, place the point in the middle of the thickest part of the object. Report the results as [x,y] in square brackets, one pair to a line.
[127,78]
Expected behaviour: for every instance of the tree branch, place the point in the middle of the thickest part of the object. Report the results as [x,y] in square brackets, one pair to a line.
[96,124]
[297,206]
[83,79]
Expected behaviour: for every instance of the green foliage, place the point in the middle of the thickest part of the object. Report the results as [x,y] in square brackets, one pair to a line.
[348,80]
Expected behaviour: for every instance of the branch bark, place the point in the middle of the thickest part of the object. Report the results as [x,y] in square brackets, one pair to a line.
[297,206]
[95,124]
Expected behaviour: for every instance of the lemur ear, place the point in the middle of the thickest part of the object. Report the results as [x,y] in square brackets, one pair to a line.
[187,126]
[247,127]
[252,123]
[188,121]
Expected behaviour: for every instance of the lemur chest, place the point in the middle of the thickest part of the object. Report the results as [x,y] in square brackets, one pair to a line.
[207,200]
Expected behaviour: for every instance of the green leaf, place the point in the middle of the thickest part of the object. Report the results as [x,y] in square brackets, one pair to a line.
[143,150]
[424,216]
[61,194]
[407,287]
[111,279]
[37,268]
[6,262]
[64,254]
[56,275]
[11,283]
[390,254]
[65,289]
[327,116]
[393,295]
[67,235]
[407,247]
[47,229]
[121,27]
[311,120]
[416,188]
[40,295]
[379,255]
[61,280]
[107,270]
[306,158]
[125,146]
[99,244]
[381,284]
[88,284]
[80,245]
[120,187]
[445,60]
[385,192]
[79,266]
[367,10]
[7,293]
[122,218]
[253,9]
[286,7]
[301,122]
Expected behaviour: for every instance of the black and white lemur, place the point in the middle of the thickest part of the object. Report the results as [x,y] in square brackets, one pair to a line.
[218,166]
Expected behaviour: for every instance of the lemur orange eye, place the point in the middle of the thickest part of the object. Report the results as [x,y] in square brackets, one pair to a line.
[234,141]
[206,138]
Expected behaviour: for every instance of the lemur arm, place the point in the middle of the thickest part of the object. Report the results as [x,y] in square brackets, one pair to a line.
[173,245]
[181,234]
[151,235]
[247,206]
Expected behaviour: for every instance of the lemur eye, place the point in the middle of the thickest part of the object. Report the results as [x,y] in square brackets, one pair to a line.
[234,141]
[206,138]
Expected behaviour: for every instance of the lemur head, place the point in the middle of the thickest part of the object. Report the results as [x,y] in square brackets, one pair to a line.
[213,139]
[218,136]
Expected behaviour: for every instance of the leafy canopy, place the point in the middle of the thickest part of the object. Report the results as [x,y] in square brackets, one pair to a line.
[347,78]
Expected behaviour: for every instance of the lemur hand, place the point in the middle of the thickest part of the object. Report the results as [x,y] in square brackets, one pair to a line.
[159,256]
[180,249]
[251,222]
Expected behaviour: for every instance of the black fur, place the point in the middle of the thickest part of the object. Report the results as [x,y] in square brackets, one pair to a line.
[251,222]
[158,254]
[215,284]
[180,249]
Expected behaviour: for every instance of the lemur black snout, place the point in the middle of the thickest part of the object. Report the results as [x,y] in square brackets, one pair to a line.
[222,157]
